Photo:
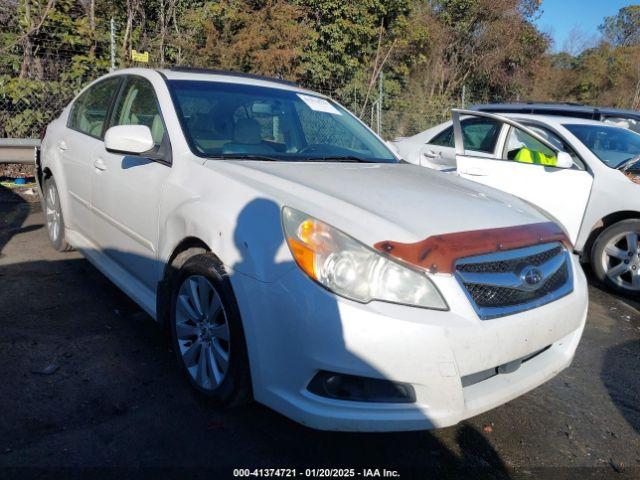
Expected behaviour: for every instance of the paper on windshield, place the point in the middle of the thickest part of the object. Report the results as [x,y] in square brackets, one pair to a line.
[318,104]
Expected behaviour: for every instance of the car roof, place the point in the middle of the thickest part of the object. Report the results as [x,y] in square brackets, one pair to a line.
[553,119]
[187,73]
[555,107]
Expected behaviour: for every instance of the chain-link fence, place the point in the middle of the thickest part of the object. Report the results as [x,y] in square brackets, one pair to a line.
[40,73]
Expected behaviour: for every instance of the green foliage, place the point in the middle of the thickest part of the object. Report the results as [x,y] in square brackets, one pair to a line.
[346,35]
[623,29]
[236,35]
[28,105]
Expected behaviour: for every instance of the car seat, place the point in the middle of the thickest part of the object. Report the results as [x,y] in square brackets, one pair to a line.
[247,138]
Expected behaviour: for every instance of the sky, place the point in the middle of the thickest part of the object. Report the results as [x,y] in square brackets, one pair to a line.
[574,23]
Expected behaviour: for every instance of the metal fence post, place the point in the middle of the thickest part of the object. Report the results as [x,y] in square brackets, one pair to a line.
[113,45]
[380,81]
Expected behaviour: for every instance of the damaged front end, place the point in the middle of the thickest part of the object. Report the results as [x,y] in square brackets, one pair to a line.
[631,170]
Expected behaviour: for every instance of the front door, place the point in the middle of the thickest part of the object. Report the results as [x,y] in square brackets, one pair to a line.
[127,189]
[562,192]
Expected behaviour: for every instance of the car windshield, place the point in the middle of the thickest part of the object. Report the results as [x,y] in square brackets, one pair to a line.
[239,121]
[613,145]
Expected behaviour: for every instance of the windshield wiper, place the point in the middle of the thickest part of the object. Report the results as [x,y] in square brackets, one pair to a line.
[347,158]
[627,163]
[248,156]
[267,158]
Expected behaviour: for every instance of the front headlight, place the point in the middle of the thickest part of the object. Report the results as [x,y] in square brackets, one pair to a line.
[348,268]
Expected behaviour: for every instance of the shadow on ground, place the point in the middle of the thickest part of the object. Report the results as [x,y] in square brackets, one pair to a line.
[620,376]
[13,212]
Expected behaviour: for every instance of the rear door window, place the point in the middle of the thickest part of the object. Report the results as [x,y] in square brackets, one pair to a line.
[480,134]
[90,110]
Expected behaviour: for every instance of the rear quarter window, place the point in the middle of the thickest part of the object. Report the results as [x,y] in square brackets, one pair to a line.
[444,138]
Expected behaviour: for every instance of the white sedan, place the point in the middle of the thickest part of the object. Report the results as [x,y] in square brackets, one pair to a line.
[593,191]
[294,259]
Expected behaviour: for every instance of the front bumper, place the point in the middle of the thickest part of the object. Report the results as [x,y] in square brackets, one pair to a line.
[294,328]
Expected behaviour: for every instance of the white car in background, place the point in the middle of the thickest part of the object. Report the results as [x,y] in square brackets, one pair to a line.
[593,191]
[295,259]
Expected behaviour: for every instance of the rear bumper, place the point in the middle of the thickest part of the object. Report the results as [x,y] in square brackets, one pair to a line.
[294,328]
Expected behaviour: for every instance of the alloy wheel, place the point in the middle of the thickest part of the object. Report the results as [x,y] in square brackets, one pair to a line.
[621,260]
[53,214]
[202,331]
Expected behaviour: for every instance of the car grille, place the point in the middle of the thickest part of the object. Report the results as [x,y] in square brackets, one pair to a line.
[536,259]
[512,281]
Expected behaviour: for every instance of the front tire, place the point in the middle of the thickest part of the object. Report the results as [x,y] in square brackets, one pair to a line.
[53,216]
[615,257]
[207,334]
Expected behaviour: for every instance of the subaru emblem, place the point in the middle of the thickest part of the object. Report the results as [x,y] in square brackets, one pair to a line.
[531,277]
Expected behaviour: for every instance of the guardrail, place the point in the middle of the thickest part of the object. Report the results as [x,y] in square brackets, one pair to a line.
[18,150]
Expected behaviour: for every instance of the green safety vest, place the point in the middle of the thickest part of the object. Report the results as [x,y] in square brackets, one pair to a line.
[526,155]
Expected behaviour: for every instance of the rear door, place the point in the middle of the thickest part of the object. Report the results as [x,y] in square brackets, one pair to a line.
[562,192]
[439,152]
[480,135]
[84,132]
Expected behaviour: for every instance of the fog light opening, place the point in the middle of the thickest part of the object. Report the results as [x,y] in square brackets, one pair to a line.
[360,389]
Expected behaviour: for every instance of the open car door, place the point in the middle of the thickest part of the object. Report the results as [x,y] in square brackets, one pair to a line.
[526,164]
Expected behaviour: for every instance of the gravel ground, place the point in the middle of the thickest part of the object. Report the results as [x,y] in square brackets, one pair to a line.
[90,387]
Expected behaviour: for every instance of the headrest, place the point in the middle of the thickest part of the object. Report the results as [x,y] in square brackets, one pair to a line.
[247,130]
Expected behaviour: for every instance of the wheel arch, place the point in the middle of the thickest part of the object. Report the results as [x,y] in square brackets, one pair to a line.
[52,170]
[176,259]
[187,243]
[42,174]
[603,224]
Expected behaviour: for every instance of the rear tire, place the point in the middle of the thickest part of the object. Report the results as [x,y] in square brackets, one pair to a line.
[615,257]
[53,216]
[206,332]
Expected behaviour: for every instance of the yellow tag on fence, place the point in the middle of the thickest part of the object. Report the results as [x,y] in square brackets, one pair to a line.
[140,56]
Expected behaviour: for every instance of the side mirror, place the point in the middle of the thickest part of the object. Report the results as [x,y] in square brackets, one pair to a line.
[564,160]
[128,139]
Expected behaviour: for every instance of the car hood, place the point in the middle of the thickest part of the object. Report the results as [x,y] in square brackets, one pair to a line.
[375,202]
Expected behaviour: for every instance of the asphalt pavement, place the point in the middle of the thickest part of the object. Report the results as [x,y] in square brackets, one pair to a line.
[89,386]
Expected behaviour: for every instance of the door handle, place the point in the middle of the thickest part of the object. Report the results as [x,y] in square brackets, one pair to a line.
[62,145]
[100,165]
[431,154]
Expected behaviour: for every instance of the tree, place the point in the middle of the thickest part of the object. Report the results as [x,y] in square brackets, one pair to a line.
[622,29]
[254,37]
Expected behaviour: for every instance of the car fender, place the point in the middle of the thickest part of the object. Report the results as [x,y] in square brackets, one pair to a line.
[51,165]
[230,234]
